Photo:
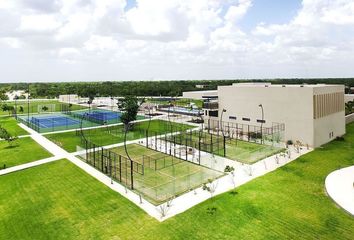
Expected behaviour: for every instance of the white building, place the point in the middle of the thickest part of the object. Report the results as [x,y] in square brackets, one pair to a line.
[349,97]
[200,94]
[312,114]
[17,93]
[70,98]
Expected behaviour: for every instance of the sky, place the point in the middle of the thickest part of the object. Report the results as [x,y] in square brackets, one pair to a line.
[115,40]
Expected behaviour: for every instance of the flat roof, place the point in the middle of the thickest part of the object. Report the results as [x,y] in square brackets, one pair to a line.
[266,84]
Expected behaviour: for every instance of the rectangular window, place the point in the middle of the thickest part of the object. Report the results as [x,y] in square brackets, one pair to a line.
[232,117]
[261,121]
[246,119]
[214,113]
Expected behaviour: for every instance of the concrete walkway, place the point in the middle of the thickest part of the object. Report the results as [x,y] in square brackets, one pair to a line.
[340,187]
[28,165]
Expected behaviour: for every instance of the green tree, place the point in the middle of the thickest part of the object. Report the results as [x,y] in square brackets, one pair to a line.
[10,139]
[8,108]
[129,107]
[45,108]
[3,96]
[90,101]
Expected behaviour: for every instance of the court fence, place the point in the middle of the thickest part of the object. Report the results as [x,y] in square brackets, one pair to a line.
[116,166]
[157,177]
[271,135]
[52,122]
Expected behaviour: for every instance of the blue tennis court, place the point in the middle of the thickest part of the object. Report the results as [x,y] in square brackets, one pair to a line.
[53,121]
[98,116]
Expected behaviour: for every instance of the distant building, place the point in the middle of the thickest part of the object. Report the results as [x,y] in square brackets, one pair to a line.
[200,86]
[19,93]
[348,97]
[70,98]
[200,94]
[312,114]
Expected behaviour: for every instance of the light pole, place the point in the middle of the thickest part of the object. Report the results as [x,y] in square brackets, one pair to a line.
[261,106]
[222,113]
[28,104]
[16,98]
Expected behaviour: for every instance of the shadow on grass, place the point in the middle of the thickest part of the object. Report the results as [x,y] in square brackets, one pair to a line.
[12,146]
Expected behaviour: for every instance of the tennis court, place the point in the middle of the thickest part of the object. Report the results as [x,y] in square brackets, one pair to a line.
[98,116]
[53,122]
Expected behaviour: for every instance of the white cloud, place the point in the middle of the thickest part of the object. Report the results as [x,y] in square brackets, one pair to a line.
[39,22]
[173,39]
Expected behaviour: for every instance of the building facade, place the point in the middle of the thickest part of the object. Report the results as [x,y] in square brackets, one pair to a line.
[312,114]
[200,94]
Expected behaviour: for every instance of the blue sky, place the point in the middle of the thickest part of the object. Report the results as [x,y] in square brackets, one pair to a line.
[270,12]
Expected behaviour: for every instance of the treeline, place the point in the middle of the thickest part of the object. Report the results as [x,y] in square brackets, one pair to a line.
[145,88]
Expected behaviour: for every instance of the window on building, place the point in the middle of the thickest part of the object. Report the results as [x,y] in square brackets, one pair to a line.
[232,118]
[261,121]
[214,113]
[246,119]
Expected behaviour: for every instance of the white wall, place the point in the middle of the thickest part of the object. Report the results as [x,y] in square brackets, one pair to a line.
[199,94]
[292,105]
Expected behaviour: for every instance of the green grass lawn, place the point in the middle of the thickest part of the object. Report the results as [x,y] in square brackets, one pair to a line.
[165,176]
[23,151]
[34,106]
[11,125]
[59,201]
[100,136]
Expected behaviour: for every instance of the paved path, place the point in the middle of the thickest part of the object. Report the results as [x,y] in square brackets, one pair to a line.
[28,165]
[340,187]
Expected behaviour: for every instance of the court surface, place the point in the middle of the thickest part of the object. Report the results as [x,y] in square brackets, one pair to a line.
[53,121]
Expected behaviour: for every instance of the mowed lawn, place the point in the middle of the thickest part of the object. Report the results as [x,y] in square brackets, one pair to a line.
[11,125]
[23,151]
[69,141]
[33,106]
[59,201]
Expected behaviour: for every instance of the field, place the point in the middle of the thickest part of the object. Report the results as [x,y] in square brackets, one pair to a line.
[60,201]
[172,176]
[23,151]
[101,136]
[34,106]
[10,124]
